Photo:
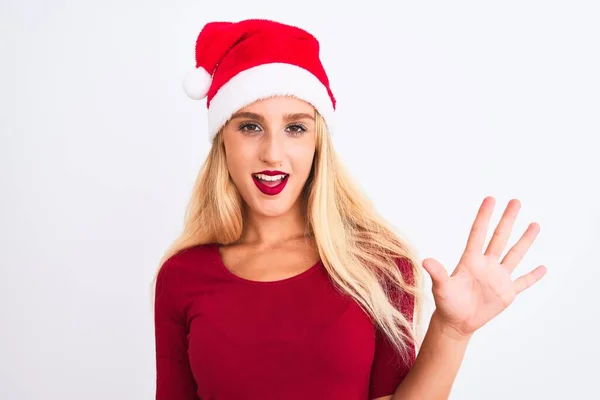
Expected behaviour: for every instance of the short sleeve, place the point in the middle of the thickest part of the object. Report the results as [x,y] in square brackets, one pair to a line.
[389,369]
[174,379]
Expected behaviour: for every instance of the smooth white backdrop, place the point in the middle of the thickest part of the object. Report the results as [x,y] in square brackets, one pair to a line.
[440,104]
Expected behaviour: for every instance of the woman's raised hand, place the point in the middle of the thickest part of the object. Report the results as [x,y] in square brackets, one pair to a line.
[481,285]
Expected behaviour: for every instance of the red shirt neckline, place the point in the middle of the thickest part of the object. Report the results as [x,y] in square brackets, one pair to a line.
[238,278]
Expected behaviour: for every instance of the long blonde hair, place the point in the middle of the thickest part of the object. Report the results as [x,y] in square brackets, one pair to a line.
[356,245]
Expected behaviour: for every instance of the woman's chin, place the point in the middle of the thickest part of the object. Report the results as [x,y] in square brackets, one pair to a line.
[271,208]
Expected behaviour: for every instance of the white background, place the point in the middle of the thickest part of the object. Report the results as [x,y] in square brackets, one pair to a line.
[439,105]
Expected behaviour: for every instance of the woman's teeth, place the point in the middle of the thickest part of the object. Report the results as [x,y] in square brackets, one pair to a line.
[269,178]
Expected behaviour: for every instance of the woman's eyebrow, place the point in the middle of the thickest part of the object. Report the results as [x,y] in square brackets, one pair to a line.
[250,115]
[292,116]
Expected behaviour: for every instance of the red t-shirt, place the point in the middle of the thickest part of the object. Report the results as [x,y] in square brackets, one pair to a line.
[222,337]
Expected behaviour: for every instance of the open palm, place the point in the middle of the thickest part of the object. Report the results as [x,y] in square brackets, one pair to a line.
[481,285]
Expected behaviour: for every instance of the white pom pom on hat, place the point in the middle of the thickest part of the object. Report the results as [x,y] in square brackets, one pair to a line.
[196,83]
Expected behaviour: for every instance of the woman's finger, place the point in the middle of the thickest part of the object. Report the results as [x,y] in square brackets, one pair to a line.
[518,251]
[528,280]
[503,230]
[479,229]
[436,270]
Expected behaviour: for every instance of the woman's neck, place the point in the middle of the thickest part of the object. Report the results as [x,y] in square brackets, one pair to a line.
[261,230]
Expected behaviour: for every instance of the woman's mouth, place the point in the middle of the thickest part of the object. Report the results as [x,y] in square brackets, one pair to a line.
[270,182]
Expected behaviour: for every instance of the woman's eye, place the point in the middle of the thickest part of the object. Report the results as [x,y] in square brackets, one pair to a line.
[251,128]
[296,129]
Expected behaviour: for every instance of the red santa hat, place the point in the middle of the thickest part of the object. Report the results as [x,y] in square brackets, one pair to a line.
[238,63]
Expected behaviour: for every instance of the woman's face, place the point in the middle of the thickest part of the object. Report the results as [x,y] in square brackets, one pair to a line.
[270,146]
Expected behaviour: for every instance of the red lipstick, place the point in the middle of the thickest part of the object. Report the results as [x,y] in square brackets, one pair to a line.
[270,187]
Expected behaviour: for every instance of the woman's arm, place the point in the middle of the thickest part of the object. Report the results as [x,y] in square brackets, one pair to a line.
[479,288]
[174,379]
[436,365]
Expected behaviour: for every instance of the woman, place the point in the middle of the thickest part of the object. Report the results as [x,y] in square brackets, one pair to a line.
[285,283]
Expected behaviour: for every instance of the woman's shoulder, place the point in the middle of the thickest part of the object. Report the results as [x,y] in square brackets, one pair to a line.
[406,266]
[194,253]
[188,269]
[190,259]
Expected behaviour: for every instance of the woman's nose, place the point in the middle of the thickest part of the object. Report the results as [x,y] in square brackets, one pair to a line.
[272,150]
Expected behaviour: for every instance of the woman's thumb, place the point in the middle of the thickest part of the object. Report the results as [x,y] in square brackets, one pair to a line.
[436,270]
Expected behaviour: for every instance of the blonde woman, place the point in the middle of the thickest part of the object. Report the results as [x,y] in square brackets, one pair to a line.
[285,283]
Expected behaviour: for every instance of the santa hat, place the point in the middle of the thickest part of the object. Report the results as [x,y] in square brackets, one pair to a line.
[238,63]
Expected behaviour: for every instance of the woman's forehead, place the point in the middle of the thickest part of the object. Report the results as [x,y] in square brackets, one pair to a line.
[279,105]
